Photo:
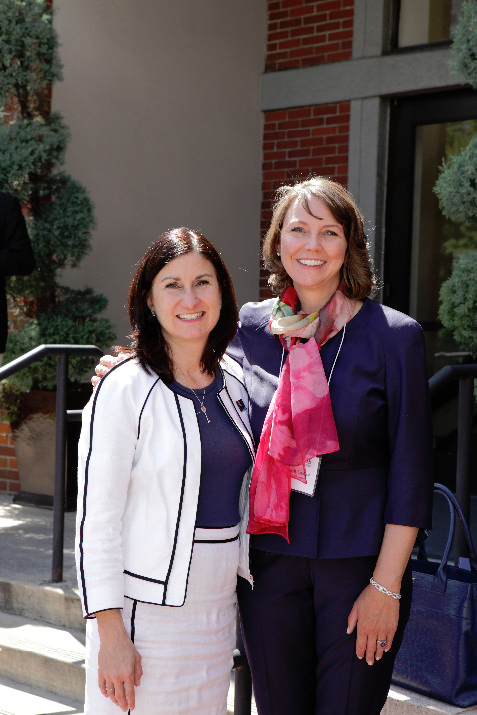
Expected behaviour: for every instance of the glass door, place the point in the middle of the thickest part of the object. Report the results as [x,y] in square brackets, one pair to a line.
[420,243]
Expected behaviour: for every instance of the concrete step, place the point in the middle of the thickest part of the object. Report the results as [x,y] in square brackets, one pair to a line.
[48,603]
[19,699]
[43,655]
[405,702]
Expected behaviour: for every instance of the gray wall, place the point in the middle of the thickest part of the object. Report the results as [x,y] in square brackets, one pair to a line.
[162,100]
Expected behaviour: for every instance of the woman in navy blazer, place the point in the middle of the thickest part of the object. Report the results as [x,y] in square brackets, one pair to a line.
[334,599]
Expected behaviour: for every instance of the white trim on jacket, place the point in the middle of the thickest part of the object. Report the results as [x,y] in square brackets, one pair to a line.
[139,459]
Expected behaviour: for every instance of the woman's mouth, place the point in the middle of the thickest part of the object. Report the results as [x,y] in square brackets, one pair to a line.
[190,316]
[310,262]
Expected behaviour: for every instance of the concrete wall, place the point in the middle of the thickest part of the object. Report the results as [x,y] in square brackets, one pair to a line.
[162,100]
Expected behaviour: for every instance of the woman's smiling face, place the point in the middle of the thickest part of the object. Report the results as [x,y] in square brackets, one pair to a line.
[312,249]
[186,299]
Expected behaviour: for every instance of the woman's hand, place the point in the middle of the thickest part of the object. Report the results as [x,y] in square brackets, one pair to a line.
[119,663]
[105,364]
[376,616]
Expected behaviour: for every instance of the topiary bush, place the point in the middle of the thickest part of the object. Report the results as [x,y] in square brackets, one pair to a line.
[458,302]
[57,208]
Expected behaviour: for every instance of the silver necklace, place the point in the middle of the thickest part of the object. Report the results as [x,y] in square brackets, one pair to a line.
[201,403]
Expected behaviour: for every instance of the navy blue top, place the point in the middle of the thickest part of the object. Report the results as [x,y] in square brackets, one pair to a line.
[382,472]
[225,458]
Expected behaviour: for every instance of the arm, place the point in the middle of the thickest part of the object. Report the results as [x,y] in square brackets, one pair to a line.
[409,485]
[16,253]
[119,663]
[376,614]
[105,457]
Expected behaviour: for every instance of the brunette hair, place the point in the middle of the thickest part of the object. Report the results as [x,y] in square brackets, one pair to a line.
[148,343]
[357,271]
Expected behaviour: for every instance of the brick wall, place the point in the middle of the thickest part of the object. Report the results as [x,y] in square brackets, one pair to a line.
[9,477]
[302,141]
[299,142]
[9,480]
[308,32]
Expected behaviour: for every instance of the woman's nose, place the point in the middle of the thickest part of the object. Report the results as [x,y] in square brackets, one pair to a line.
[190,297]
[314,239]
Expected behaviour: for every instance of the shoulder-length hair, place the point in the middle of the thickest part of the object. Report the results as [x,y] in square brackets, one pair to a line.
[356,272]
[148,342]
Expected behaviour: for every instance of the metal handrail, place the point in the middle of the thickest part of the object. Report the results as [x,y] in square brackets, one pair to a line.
[466,375]
[62,352]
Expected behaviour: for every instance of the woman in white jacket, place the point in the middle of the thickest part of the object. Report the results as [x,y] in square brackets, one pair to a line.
[164,459]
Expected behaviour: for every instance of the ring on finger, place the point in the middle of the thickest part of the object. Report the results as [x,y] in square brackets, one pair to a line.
[380,642]
[110,690]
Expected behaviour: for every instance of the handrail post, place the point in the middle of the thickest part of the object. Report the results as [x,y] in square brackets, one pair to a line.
[464,436]
[243,690]
[60,460]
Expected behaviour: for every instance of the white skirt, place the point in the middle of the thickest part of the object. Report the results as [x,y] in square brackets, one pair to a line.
[187,651]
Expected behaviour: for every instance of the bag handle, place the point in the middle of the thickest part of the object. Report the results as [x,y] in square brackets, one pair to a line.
[440,579]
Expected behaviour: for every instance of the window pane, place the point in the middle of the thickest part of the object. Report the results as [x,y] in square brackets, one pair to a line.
[435,240]
[424,21]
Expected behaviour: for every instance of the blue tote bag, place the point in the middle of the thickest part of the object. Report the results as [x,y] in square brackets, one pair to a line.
[438,656]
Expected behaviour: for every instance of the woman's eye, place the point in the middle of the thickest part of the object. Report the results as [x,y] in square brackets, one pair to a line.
[297,229]
[203,282]
[172,285]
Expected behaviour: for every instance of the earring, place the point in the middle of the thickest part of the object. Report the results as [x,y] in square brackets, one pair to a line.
[153,313]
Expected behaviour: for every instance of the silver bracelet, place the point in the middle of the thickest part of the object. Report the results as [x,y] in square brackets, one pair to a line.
[384,590]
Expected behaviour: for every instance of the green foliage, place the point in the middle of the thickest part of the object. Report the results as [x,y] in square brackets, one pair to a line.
[72,320]
[456,187]
[30,148]
[464,49]
[59,212]
[458,302]
[29,61]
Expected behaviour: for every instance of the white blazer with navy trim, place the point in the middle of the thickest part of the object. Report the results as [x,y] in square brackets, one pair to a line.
[139,459]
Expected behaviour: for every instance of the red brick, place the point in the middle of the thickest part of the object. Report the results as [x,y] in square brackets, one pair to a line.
[277,15]
[5,450]
[337,119]
[14,486]
[298,133]
[3,486]
[325,109]
[291,23]
[299,113]
[297,153]
[289,164]
[9,475]
[291,3]
[288,44]
[274,155]
[301,11]
[315,19]
[276,116]
[290,124]
[279,35]
[5,427]
[338,57]
[341,35]
[289,144]
[340,14]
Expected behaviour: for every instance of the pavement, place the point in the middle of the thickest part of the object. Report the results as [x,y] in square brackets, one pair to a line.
[25,559]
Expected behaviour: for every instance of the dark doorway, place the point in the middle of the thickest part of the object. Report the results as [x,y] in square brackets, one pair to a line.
[420,242]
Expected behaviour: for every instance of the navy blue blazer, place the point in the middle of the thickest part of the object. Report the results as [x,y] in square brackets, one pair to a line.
[16,253]
[383,471]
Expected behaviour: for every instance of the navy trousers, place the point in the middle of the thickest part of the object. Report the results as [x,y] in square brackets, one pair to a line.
[294,624]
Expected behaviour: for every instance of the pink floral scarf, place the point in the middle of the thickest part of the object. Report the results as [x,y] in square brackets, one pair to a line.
[299,424]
